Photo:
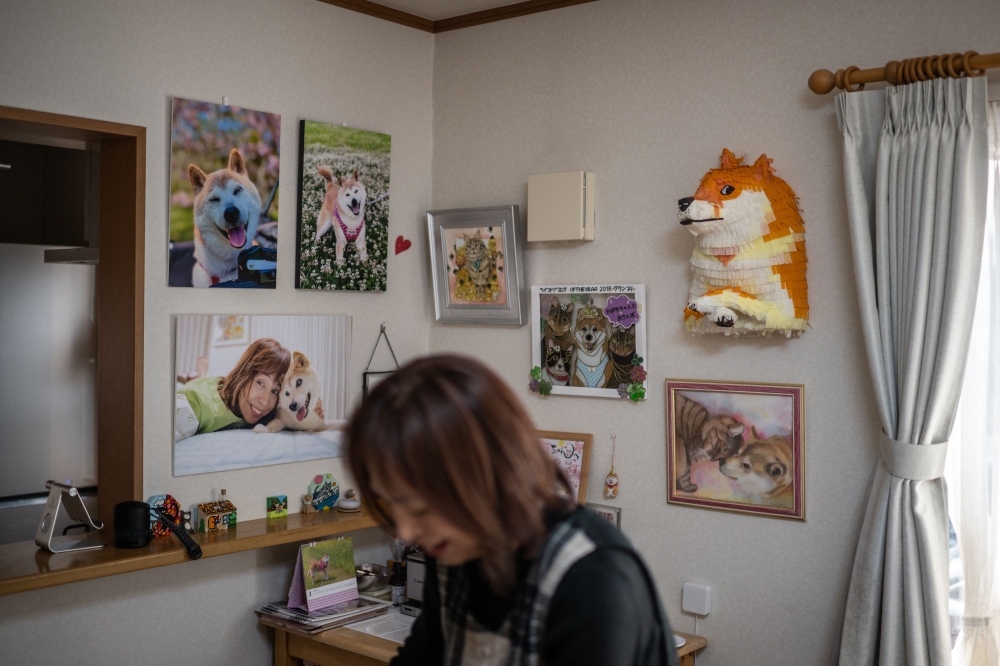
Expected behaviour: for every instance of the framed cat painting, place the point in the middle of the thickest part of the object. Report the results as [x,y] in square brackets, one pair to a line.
[736,447]
[589,340]
[476,265]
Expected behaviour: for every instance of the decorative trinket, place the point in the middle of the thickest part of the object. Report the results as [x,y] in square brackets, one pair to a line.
[323,494]
[277,506]
[214,516]
[611,481]
[350,502]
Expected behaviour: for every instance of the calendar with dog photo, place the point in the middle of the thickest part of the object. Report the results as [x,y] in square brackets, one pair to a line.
[254,390]
[223,195]
[343,235]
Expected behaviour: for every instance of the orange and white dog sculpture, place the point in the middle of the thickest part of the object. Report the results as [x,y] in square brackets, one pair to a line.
[749,261]
[344,211]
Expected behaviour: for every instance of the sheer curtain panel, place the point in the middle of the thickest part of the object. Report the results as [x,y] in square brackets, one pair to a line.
[974,459]
[915,166]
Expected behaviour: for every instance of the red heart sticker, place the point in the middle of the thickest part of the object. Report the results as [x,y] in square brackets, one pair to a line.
[402,245]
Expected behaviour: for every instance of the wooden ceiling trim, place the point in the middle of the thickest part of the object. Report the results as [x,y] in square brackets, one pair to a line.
[385,13]
[502,13]
[453,22]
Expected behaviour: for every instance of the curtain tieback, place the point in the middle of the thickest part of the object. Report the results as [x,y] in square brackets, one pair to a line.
[975,621]
[922,462]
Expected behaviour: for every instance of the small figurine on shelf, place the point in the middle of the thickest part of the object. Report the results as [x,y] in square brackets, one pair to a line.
[186,522]
[350,503]
[323,494]
[172,508]
[277,506]
[213,516]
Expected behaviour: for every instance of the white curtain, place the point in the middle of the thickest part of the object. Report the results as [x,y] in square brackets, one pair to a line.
[973,469]
[325,341]
[193,335]
[915,166]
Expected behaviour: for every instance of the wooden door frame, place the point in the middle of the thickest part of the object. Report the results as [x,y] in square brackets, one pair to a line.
[120,282]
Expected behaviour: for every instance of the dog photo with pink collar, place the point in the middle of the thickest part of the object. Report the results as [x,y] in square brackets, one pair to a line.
[223,195]
[343,240]
[253,390]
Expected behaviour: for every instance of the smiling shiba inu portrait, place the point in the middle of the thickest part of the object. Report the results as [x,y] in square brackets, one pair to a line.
[343,211]
[749,259]
[590,335]
[226,211]
[299,403]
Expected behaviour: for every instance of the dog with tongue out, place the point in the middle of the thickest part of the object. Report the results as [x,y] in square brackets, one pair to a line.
[299,404]
[226,210]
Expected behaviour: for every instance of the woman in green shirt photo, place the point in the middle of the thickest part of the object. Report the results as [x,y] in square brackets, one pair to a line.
[248,395]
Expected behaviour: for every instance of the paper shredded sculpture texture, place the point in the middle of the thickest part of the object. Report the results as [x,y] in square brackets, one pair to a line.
[749,259]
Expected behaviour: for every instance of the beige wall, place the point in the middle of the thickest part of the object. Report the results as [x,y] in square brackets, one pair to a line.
[644,93]
[123,61]
[647,94]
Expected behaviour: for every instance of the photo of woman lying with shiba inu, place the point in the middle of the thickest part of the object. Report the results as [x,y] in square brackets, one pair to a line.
[247,396]
[448,458]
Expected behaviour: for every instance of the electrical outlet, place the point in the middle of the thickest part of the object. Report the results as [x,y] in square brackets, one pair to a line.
[697,598]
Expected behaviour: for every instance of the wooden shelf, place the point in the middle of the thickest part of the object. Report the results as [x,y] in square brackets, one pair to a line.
[24,566]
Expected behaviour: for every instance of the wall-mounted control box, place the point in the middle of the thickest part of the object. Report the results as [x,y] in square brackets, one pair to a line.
[697,598]
[561,206]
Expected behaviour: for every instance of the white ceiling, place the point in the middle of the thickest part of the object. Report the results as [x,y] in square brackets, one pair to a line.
[439,9]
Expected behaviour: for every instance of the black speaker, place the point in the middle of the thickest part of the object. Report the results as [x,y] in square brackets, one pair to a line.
[131,524]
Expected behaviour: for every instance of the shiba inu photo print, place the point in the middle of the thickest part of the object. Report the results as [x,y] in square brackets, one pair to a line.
[223,194]
[254,390]
[343,208]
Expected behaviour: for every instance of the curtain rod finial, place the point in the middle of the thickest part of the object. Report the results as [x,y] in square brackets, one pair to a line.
[821,81]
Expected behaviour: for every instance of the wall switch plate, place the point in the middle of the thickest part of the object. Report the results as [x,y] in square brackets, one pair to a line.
[697,598]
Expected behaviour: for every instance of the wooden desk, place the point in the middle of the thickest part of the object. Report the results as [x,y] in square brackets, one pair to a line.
[346,647]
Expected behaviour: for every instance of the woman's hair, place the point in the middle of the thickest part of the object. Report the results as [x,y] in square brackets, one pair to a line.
[462,440]
[263,356]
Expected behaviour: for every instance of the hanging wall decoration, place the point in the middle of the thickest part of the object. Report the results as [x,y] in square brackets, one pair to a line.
[343,208]
[737,447]
[611,480]
[571,453]
[223,195]
[476,265]
[589,340]
[749,259]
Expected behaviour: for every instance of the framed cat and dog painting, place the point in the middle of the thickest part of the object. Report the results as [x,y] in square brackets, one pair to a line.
[736,447]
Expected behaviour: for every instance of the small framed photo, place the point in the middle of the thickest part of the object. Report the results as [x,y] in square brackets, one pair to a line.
[612,514]
[230,331]
[590,340]
[736,447]
[571,453]
[372,378]
[476,265]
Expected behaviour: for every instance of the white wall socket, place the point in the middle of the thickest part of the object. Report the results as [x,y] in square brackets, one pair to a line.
[697,598]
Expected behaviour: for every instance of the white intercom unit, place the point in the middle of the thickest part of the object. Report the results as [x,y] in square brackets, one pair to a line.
[561,206]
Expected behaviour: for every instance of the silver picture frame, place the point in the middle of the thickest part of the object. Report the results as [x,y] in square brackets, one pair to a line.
[510,270]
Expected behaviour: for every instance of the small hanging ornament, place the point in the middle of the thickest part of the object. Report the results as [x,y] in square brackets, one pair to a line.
[611,481]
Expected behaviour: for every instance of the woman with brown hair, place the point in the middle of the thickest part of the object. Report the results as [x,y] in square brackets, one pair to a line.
[246,396]
[516,574]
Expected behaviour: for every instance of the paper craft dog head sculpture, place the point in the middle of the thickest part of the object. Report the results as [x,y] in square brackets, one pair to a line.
[749,259]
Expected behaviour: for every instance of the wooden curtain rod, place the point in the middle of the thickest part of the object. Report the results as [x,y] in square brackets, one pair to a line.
[952,65]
